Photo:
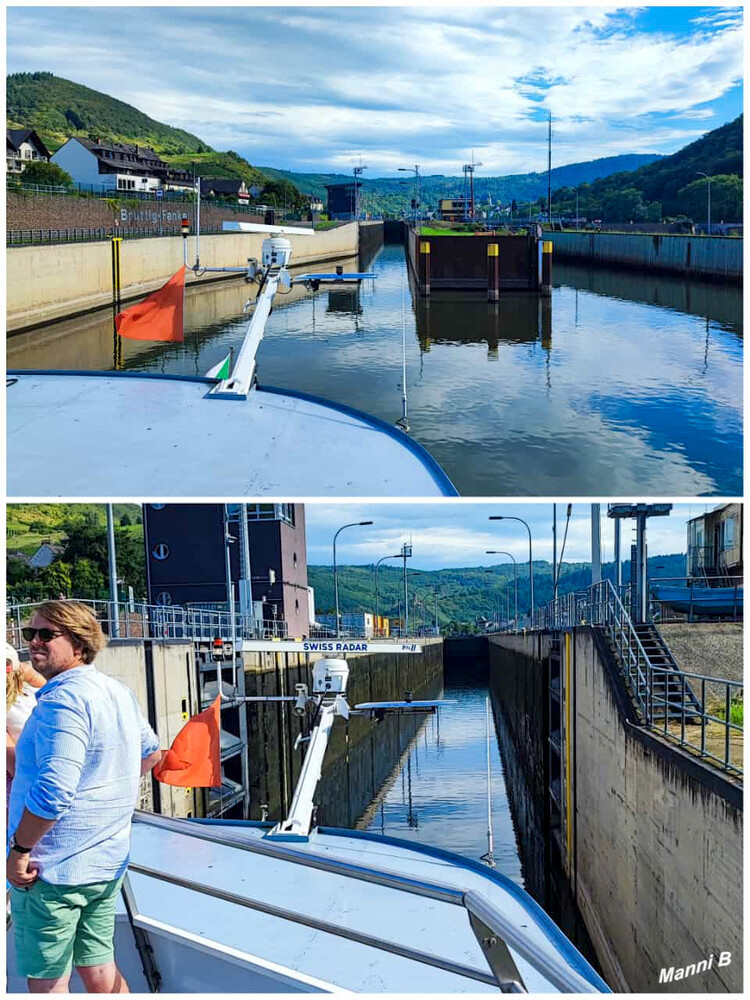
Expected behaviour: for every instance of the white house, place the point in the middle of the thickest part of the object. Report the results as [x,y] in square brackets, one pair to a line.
[117,166]
[23,146]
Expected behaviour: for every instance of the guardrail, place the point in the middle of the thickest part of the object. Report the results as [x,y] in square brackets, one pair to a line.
[139,620]
[661,694]
[42,237]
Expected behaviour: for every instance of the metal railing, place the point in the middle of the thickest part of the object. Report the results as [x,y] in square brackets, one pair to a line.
[40,237]
[138,620]
[661,694]
[488,922]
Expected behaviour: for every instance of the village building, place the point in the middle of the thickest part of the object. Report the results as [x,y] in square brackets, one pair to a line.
[225,188]
[23,146]
[117,166]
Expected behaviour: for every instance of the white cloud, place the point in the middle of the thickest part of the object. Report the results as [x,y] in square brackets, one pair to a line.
[307,86]
[450,534]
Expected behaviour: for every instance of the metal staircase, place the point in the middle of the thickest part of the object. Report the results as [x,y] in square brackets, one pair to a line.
[670,692]
[659,689]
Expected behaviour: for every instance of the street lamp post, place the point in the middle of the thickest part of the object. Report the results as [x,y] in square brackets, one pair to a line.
[708,219]
[499,552]
[357,174]
[377,591]
[508,517]
[418,187]
[353,524]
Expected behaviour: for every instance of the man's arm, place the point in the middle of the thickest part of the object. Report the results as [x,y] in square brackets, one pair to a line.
[150,762]
[60,741]
[19,869]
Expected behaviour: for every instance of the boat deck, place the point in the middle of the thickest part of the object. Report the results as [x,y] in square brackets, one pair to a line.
[134,435]
[226,910]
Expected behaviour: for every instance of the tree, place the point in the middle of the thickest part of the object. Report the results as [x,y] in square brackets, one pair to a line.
[726,198]
[41,172]
[125,521]
[56,579]
[88,581]
[624,206]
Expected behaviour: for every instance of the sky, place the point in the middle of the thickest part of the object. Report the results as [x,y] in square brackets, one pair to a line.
[314,89]
[450,534]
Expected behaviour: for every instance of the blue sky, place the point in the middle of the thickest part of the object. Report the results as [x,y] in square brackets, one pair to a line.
[315,88]
[447,534]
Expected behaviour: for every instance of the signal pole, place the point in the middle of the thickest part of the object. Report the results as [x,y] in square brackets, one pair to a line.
[549,170]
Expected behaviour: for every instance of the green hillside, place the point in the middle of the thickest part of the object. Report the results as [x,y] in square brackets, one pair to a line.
[82,565]
[213,164]
[59,109]
[670,187]
[392,194]
[463,593]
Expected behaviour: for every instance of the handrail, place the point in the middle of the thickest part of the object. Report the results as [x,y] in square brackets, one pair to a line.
[601,605]
[472,901]
[566,980]
[325,926]
[139,620]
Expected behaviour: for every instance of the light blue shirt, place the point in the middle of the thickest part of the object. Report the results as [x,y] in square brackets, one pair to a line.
[78,762]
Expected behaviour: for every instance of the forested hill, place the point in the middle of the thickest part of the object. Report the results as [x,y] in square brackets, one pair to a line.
[671,186]
[59,108]
[393,193]
[463,593]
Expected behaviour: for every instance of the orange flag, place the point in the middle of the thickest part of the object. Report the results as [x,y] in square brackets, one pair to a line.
[193,760]
[158,317]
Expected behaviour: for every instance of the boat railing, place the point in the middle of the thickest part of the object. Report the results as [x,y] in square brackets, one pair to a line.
[494,931]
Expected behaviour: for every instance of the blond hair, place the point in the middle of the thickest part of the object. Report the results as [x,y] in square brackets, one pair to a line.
[78,622]
[13,687]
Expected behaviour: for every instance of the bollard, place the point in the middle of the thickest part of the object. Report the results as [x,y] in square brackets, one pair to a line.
[493,272]
[546,288]
[424,267]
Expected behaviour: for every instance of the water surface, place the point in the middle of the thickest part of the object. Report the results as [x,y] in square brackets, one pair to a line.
[619,384]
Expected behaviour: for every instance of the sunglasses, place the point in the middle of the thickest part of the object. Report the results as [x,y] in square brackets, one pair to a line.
[45,634]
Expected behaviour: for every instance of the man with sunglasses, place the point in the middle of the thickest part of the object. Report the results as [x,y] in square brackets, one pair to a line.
[79,762]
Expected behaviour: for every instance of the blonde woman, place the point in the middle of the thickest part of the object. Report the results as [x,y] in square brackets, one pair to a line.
[21,682]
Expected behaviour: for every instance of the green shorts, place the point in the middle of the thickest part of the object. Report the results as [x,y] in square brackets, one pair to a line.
[58,926]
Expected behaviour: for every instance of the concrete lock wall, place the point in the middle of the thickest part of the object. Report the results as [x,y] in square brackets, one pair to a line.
[517,674]
[47,283]
[694,256]
[130,661]
[655,849]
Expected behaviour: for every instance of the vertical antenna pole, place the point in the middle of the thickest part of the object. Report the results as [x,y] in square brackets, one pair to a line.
[404,421]
[197,219]
[489,857]
[549,171]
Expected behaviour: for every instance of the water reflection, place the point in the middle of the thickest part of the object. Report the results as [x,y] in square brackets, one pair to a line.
[618,383]
[437,794]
